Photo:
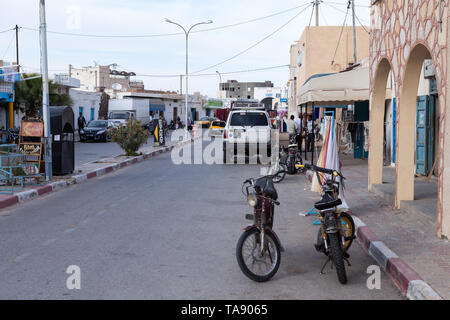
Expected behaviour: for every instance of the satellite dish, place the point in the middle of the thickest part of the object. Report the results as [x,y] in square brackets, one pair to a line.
[116,86]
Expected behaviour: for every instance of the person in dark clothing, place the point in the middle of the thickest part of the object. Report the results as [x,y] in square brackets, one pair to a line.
[81,123]
[310,136]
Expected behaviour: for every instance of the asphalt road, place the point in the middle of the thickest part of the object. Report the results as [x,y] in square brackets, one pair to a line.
[160,231]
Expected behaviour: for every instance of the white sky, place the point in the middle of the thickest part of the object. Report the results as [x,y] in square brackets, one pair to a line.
[166,55]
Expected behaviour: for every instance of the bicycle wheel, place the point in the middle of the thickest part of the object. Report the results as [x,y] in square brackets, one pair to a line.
[257,267]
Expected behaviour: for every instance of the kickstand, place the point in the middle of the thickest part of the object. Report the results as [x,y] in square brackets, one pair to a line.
[348,262]
[325,264]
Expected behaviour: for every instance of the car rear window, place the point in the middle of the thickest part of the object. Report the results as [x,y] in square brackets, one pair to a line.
[218,124]
[249,119]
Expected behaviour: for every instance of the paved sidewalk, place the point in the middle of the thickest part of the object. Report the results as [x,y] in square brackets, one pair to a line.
[412,236]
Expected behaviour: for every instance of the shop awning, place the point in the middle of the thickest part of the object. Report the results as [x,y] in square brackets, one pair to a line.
[337,89]
[157,107]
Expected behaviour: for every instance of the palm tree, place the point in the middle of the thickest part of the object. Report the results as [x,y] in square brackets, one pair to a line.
[29,96]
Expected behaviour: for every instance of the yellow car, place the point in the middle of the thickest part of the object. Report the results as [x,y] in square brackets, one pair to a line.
[216,128]
[204,122]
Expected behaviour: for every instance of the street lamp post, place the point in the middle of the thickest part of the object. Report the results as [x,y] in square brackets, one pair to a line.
[187,70]
[45,91]
[220,77]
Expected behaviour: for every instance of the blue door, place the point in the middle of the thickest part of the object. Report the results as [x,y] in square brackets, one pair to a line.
[92,113]
[430,132]
[421,134]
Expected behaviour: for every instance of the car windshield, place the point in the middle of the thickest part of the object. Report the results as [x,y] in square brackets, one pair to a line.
[97,124]
[249,119]
[123,115]
[204,119]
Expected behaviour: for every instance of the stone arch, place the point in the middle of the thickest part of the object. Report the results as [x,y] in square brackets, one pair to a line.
[377,110]
[405,148]
[267,103]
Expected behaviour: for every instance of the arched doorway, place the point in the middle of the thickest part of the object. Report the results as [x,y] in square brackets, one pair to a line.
[407,136]
[377,120]
[267,103]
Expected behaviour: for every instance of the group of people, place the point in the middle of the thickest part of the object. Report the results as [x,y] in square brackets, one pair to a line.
[301,128]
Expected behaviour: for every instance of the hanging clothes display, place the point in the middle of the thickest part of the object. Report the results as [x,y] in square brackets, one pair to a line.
[329,158]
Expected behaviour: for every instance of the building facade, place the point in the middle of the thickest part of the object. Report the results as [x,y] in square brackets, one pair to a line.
[244,90]
[315,54]
[85,102]
[94,77]
[405,34]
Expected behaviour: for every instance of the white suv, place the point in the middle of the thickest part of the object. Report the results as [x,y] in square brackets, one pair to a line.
[247,132]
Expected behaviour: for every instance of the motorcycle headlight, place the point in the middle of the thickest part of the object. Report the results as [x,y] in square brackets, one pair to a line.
[252,200]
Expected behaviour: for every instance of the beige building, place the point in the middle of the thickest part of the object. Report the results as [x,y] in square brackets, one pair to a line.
[94,77]
[322,50]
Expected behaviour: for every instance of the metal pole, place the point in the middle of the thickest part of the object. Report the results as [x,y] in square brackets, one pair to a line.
[45,92]
[187,82]
[220,77]
[317,12]
[17,48]
[181,84]
[187,70]
[354,32]
[313,134]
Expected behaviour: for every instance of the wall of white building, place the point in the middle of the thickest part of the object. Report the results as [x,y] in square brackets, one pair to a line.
[86,101]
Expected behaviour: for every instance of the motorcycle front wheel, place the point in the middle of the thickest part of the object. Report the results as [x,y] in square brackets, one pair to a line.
[337,257]
[257,267]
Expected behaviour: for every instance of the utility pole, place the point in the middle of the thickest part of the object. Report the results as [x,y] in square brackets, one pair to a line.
[317,12]
[17,48]
[355,57]
[181,84]
[45,91]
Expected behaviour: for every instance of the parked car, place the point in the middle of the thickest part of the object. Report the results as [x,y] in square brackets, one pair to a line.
[204,122]
[97,130]
[247,129]
[216,128]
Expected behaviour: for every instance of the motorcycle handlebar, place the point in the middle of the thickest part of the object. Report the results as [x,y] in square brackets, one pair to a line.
[320,169]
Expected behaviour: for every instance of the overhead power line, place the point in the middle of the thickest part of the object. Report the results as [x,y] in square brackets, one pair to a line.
[255,44]
[210,74]
[344,4]
[312,13]
[167,34]
[340,35]
[7,30]
[337,9]
[9,46]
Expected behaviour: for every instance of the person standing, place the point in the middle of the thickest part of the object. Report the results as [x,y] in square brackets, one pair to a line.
[292,127]
[298,121]
[81,123]
[310,136]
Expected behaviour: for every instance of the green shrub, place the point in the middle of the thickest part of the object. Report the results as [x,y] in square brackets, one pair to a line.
[130,137]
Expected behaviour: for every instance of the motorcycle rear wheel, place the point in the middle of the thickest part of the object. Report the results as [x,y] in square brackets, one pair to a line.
[291,165]
[251,262]
[280,177]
